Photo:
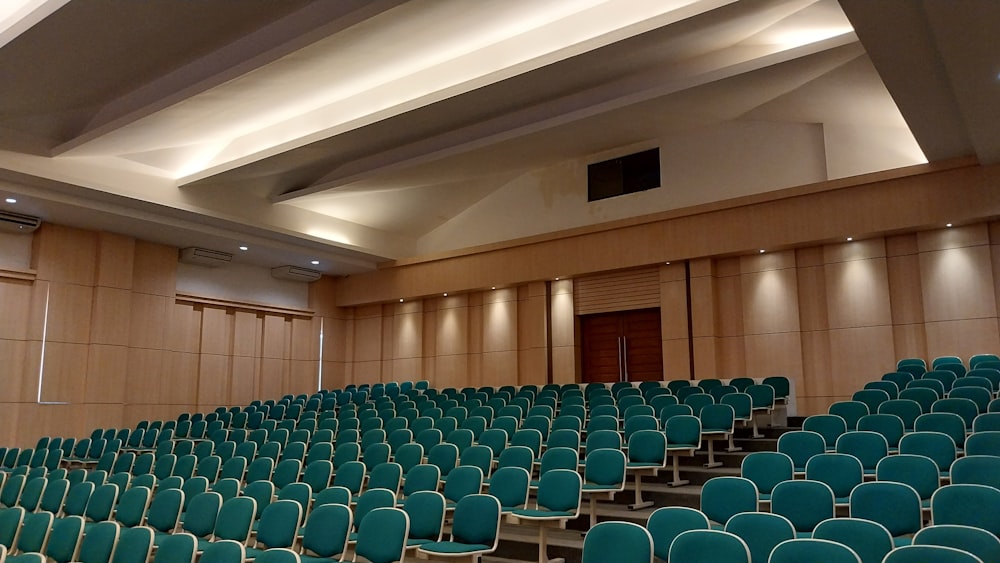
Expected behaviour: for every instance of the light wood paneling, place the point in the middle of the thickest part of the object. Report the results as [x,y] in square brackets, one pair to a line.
[905,291]
[179,381]
[957,284]
[15,302]
[61,378]
[214,374]
[111,316]
[303,377]
[13,368]
[962,338]
[147,325]
[857,293]
[770,301]
[69,308]
[854,352]
[216,331]
[774,354]
[976,234]
[243,387]
[275,344]
[305,338]
[145,372]
[107,373]
[618,291]
[65,255]
[499,325]
[115,260]
[273,373]
[813,310]
[154,269]
[247,328]
[500,368]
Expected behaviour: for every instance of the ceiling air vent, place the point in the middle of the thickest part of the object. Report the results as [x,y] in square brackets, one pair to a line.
[17,223]
[295,273]
[205,257]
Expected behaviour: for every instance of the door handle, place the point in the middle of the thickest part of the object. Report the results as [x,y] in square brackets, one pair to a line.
[625,356]
[620,374]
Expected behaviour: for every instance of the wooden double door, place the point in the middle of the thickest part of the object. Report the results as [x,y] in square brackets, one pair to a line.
[622,346]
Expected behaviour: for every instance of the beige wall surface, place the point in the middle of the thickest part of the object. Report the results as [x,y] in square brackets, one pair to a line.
[96,333]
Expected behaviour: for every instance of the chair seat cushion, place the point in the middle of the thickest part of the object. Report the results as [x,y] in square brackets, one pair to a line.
[535,514]
[453,547]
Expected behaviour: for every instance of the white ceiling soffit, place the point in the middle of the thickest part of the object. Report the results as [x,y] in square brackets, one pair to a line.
[401,59]
[17,16]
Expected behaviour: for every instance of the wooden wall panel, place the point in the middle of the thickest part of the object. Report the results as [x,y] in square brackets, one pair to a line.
[111,316]
[149,320]
[179,380]
[562,319]
[64,254]
[107,374]
[958,284]
[115,260]
[69,309]
[15,302]
[61,378]
[145,372]
[154,269]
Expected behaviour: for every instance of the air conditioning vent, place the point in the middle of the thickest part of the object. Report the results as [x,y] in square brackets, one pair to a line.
[295,273]
[205,257]
[17,223]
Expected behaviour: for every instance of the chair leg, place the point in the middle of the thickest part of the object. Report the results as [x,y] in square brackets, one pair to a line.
[732,445]
[756,432]
[543,546]
[593,511]
[639,503]
[711,455]
[677,481]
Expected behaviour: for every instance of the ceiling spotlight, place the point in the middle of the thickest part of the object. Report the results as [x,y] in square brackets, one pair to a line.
[849,239]
[400,299]
[315,262]
[10,200]
[668,263]
[446,294]
[948,225]
[493,287]
[557,279]
[762,251]
[244,248]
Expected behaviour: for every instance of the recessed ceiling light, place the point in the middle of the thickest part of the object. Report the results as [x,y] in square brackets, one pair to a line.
[557,279]
[10,200]
[948,225]
[446,294]
[400,299]
[849,239]
[493,287]
[315,262]
[244,248]
[668,263]
[762,251]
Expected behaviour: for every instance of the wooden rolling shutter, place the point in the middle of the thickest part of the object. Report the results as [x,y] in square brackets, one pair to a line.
[618,291]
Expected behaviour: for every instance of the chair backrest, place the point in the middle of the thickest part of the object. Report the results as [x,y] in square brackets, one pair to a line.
[510,486]
[98,545]
[65,539]
[872,398]
[800,445]
[177,548]
[224,551]
[202,513]
[382,535]
[132,505]
[165,510]
[761,531]
[965,409]
[869,447]
[967,505]
[102,502]
[477,521]
[766,469]
[810,549]
[890,426]
[917,471]
[804,503]
[976,470]
[370,500]
[976,541]
[869,540]
[426,510]
[35,532]
[922,396]
[326,530]
[134,545]
[724,496]
[668,522]
[890,387]
[936,445]
[279,523]
[560,490]
[894,505]
[624,542]
[984,442]
[850,411]
[829,426]
[841,472]
[463,481]
[924,553]
[704,546]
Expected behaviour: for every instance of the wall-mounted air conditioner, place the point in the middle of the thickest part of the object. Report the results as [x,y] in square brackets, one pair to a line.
[295,273]
[205,257]
[18,223]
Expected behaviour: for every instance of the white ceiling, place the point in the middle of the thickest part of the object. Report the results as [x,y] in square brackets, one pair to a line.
[348,131]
